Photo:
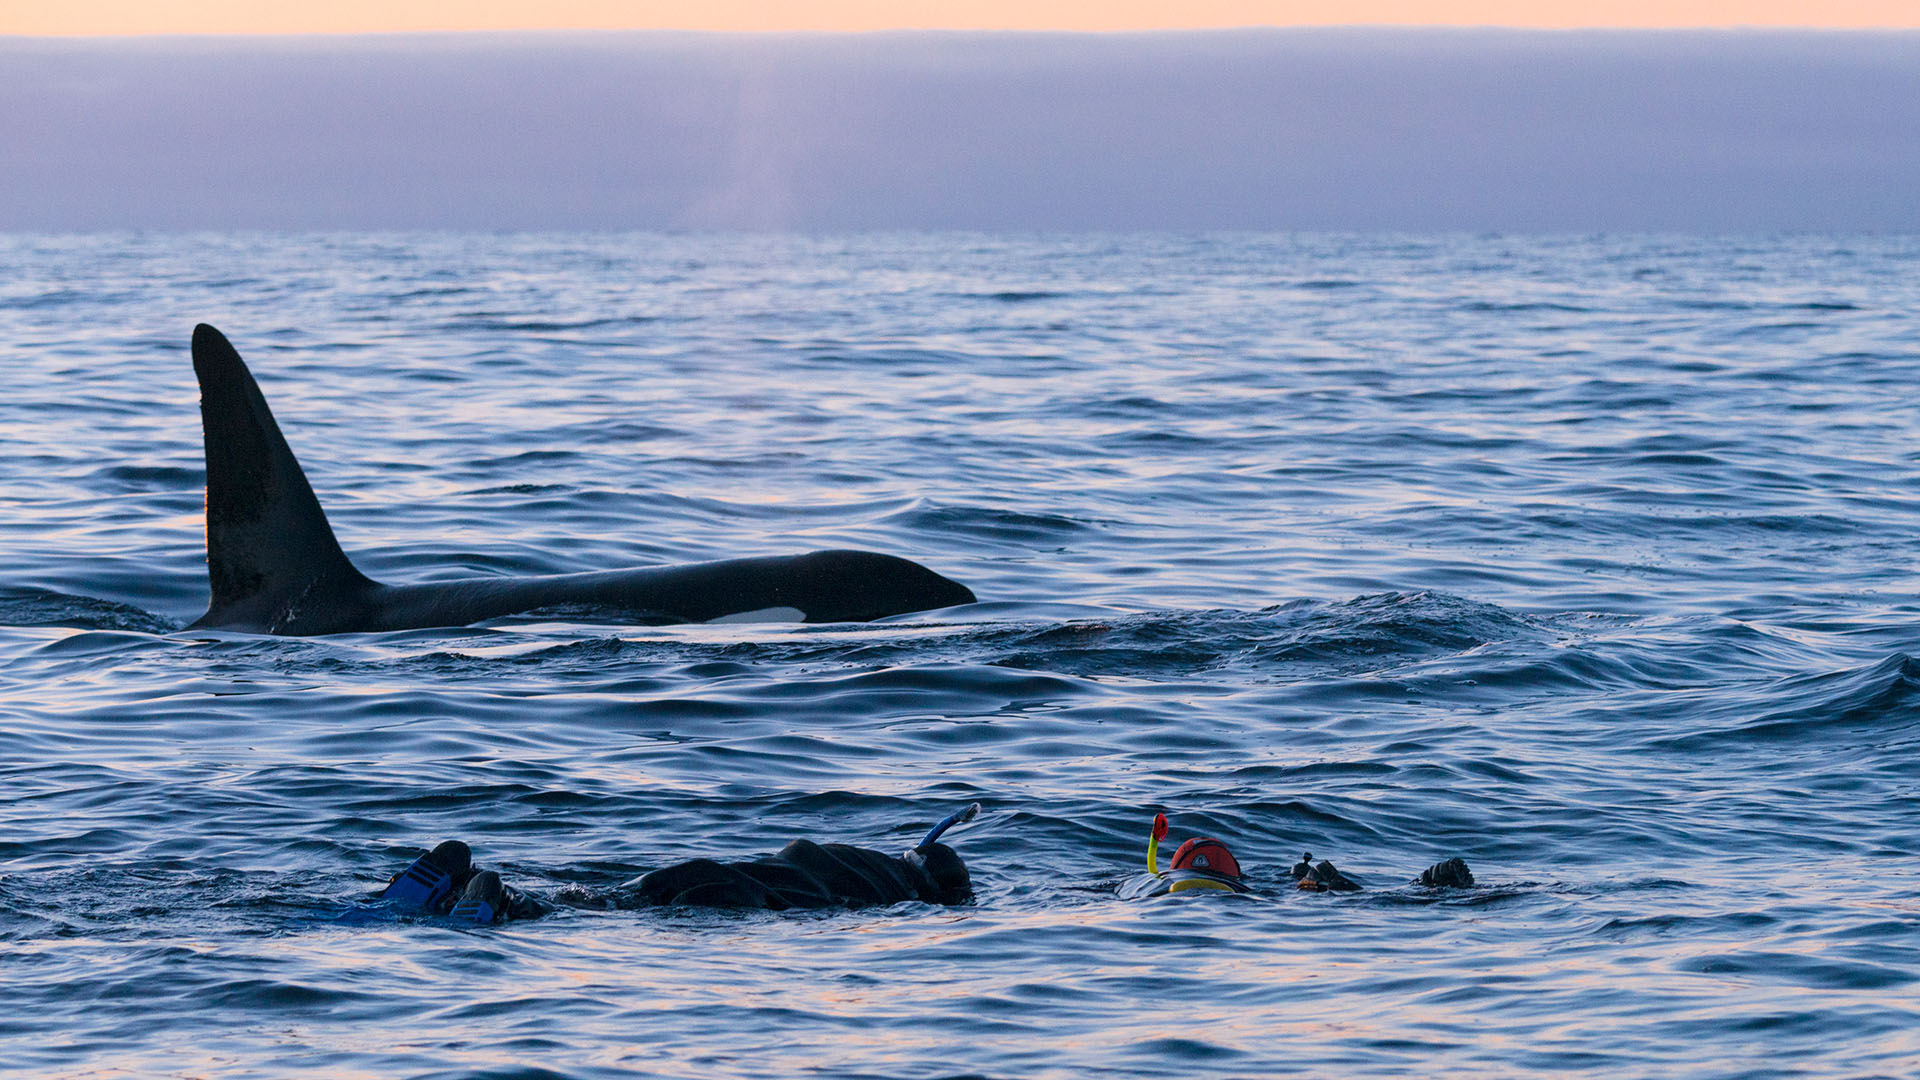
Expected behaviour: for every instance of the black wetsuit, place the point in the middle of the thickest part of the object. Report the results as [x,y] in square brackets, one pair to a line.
[804,875]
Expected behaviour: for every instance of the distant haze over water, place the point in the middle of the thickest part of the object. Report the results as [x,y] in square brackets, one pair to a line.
[1304,129]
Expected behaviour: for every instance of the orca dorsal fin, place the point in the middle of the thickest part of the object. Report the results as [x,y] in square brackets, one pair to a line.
[268,542]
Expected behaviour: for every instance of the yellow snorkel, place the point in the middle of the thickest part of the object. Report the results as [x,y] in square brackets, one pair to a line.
[1153,843]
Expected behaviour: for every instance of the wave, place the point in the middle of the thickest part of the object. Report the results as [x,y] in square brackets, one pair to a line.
[45,607]
[1302,638]
[487,322]
[1883,697]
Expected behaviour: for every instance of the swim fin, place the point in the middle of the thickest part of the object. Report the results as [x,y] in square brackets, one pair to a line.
[482,901]
[431,877]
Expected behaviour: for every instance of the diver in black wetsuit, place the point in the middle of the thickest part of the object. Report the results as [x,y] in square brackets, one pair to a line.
[1204,864]
[806,875]
[802,875]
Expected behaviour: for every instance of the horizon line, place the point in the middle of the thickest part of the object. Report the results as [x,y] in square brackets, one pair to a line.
[140,18]
[692,31]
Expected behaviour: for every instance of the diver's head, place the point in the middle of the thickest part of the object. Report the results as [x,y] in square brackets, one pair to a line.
[943,867]
[1206,853]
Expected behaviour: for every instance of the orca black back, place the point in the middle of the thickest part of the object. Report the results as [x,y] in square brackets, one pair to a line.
[274,566]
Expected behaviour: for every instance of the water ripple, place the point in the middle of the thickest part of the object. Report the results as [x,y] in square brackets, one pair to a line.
[1587,559]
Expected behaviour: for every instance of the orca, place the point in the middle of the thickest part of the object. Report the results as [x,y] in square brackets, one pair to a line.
[275,567]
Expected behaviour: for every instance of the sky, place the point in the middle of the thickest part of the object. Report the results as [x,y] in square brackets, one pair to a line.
[1375,129]
[96,17]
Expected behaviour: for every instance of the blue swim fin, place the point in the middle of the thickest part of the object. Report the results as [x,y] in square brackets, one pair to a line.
[474,911]
[431,877]
[482,901]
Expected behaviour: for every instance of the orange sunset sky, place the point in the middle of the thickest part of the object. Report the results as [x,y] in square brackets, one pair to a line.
[116,17]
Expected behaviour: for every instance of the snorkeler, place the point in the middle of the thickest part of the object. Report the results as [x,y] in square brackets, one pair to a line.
[1205,864]
[1201,863]
[802,875]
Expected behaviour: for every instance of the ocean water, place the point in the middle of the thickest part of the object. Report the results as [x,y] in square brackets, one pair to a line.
[1590,560]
